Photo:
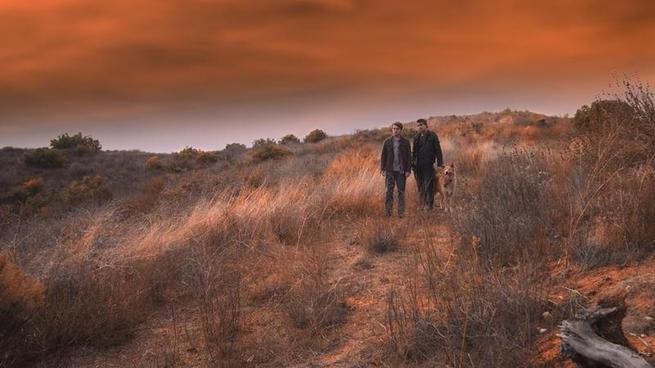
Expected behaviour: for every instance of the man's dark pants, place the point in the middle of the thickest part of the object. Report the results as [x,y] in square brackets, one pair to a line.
[425,179]
[394,179]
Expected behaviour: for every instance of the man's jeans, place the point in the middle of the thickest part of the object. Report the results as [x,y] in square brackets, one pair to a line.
[425,179]
[391,180]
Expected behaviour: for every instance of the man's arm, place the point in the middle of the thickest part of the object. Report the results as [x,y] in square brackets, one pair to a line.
[414,151]
[437,149]
[383,156]
[408,159]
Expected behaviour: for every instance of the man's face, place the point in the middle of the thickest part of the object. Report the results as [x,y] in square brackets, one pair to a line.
[422,128]
[395,131]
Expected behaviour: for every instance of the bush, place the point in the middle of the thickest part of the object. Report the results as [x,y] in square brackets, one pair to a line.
[44,158]
[234,148]
[233,151]
[89,188]
[188,152]
[268,152]
[154,163]
[190,158]
[206,158]
[382,239]
[29,188]
[600,114]
[289,139]
[263,142]
[315,136]
[511,214]
[81,144]
[314,303]
[485,318]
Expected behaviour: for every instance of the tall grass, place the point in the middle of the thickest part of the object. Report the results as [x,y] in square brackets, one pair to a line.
[104,273]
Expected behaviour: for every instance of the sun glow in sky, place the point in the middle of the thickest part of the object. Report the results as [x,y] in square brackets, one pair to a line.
[159,75]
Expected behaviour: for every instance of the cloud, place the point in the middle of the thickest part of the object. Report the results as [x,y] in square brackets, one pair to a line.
[83,59]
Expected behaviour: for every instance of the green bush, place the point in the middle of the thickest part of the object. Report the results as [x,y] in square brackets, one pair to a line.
[262,142]
[315,135]
[268,151]
[45,158]
[82,145]
[89,188]
[289,139]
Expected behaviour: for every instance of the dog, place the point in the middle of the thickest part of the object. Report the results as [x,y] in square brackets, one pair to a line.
[445,185]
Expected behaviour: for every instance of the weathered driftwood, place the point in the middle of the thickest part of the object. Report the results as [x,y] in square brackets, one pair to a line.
[595,339]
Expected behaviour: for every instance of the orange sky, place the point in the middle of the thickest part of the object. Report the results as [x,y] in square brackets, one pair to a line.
[161,74]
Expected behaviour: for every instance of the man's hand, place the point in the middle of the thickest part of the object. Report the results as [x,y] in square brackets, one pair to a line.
[407,174]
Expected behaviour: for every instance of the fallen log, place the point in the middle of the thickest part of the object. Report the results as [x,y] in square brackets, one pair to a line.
[595,339]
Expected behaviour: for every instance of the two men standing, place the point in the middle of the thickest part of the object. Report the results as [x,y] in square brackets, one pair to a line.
[398,160]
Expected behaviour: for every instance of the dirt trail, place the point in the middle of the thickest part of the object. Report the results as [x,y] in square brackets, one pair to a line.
[368,278]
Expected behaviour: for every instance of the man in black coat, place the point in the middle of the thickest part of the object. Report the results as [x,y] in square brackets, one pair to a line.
[395,165]
[426,150]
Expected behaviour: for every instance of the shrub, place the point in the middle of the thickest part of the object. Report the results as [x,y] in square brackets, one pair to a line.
[315,136]
[190,158]
[206,158]
[315,304]
[81,144]
[511,213]
[32,185]
[154,163]
[45,158]
[289,139]
[382,239]
[184,160]
[233,151]
[188,152]
[89,188]
[263,142]
[268,151]
[599,114]
[29,188]
[234,148]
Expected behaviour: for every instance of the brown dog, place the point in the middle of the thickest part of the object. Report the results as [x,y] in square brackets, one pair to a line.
[445,185]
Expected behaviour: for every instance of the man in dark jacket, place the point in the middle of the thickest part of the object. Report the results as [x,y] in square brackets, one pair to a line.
[395,165]
[426,150]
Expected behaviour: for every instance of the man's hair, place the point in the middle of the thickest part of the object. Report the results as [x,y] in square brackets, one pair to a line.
[422,122]
[398,124]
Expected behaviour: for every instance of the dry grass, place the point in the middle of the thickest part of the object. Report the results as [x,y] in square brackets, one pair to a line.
[248,249]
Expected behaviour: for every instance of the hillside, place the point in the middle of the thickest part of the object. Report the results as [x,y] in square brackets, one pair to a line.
[278,255]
